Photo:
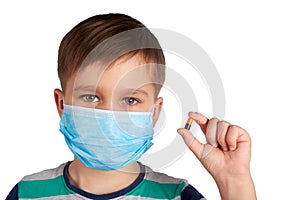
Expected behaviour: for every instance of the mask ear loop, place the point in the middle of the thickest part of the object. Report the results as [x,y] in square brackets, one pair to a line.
[153,108]
[153,112]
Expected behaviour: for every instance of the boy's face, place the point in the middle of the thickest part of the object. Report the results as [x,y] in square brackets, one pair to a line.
[125,86]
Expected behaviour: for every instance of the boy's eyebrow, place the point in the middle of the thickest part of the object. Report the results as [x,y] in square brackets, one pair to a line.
[85,87]
[134,91]
[93,89]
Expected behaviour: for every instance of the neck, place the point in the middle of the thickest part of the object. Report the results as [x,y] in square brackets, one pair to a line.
[99,181]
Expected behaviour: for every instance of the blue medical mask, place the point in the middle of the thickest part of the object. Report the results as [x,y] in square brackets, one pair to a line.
[105,139]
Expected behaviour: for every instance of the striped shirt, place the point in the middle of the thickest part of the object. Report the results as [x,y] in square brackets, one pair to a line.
[55,184]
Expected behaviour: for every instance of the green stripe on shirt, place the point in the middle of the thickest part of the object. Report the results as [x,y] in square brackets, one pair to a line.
[152,189]
[43,188]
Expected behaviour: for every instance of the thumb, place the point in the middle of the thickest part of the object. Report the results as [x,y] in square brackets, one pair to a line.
[200,150]
[187,136]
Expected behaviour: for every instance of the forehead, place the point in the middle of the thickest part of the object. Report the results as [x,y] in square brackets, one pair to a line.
[127,72]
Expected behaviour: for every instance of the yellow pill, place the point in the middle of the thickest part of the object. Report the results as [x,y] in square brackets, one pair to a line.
[188,123]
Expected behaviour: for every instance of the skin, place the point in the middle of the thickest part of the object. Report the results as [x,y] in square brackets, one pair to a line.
[126,86]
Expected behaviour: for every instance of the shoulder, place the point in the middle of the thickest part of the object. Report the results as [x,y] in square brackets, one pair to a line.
[178,186]
[35,181]
[46,174]
[43,183]
[163,179]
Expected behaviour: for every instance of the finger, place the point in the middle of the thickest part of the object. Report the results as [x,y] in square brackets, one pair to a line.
[211,132]
[232,137]
[222,128]
[238,137]
[200,150]
[200,119]
[191,141]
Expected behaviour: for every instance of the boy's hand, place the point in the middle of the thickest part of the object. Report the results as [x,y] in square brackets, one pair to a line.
[226,156]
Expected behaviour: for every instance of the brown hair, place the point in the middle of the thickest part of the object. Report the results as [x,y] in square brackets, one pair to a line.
[106,38]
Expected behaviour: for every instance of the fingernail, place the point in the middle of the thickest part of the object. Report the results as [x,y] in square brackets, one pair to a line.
[194,115]
[225,148]
[231,148]
[180,131]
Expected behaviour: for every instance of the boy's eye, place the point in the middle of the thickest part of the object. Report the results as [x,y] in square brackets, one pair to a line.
[130,101]
[90,98]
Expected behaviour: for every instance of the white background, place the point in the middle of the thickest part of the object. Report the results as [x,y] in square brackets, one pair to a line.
[255,46]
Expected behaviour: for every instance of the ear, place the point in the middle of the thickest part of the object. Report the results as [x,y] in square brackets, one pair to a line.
[58,96]
[158,106]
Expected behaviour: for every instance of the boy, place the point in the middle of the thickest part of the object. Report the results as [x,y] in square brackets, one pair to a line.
[111,69]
